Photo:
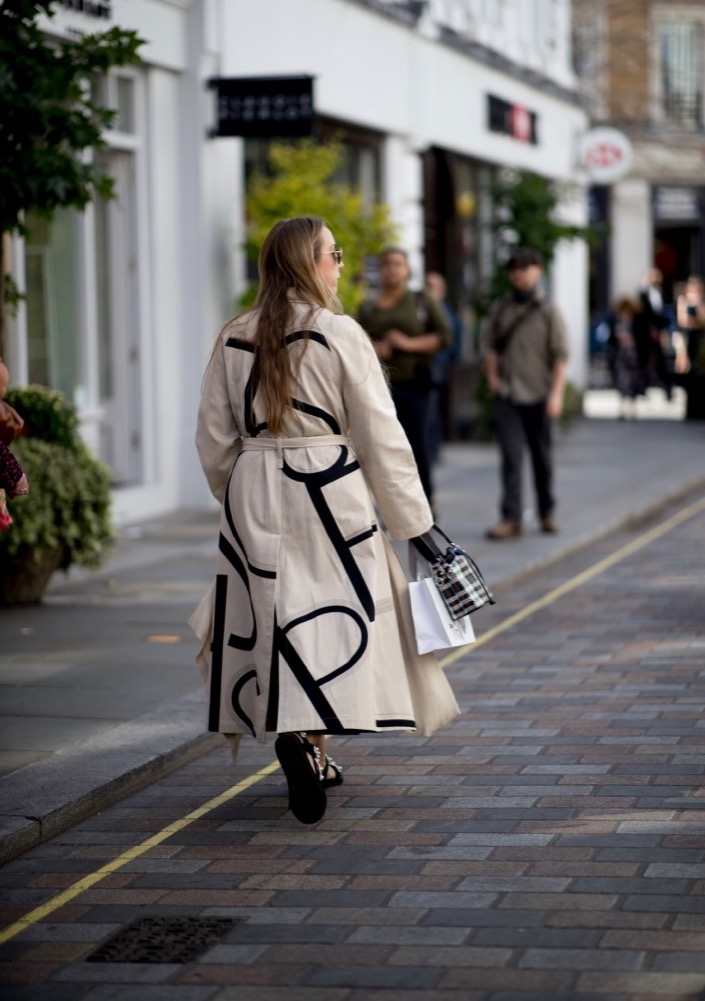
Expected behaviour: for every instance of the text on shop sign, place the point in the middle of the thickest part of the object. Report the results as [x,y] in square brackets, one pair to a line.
[264,107]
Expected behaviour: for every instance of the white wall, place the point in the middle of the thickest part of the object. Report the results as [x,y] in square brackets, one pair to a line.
[211,209]
[377,72]
[569,293]
[569,288]
[387,75]
[632,240]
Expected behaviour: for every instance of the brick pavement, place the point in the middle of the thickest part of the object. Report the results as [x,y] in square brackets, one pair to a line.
[99,694]
[548,845]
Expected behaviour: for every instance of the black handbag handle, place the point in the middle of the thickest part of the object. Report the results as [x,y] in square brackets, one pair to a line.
[427,545]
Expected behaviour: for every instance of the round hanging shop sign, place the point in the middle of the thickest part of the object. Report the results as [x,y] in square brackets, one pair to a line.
[606,154]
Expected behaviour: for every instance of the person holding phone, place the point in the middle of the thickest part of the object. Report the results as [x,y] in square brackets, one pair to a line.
[690,315]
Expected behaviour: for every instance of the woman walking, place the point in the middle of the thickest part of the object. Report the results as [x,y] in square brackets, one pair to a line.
[306,630]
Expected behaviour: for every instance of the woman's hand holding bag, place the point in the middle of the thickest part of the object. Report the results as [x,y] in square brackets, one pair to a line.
[442,600]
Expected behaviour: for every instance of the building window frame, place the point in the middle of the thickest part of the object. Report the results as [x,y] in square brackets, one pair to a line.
[590,56]
[127,151]
[679,15]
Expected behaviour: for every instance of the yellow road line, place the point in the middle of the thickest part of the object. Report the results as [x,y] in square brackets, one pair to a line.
[41,912]
[570,585]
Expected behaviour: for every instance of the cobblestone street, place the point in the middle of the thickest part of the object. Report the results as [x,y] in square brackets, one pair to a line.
[550,844]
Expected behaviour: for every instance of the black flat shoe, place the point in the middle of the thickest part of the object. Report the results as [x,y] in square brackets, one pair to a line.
[307,796]
[328,780]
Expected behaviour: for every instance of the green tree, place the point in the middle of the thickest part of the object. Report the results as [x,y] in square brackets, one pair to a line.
[48,118]
[301,182]
[525,214]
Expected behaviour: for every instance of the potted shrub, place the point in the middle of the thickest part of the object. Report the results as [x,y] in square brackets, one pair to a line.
[66,517]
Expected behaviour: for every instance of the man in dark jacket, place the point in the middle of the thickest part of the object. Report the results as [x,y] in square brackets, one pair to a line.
[526,361]
[654,346]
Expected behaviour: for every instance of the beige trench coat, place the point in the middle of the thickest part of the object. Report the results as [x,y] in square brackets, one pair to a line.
[307,625]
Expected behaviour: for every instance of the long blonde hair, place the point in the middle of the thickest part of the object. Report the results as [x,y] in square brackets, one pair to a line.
[287,270]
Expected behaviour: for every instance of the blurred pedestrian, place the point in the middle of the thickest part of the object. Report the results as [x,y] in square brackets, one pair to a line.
[307,629]
[626,371]
[408,330]
[442,365]
[690,315]
[525,365]
[653,343]
[651,296]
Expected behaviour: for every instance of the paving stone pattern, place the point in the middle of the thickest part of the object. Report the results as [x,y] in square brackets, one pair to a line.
[548,845]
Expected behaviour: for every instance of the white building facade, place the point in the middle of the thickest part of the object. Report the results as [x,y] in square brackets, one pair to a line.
[641,65]
[125,300]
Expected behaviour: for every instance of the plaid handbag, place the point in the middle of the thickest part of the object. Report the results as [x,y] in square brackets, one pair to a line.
[456,575]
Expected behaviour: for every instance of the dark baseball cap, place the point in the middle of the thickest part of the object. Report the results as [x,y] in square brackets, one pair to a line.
[524,257]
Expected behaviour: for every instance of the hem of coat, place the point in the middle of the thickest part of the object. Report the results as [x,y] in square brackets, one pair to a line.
[429,717]
[315,726]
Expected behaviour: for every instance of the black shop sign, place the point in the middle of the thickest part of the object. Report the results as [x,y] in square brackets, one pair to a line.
[91,8]
[263,107]
[512,120]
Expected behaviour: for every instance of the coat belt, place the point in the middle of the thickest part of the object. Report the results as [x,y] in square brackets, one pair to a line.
[281,443]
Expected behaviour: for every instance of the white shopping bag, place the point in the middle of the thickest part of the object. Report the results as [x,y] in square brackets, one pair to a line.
[433,625]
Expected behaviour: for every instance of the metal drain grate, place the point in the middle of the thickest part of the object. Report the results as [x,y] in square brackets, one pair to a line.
[162,940]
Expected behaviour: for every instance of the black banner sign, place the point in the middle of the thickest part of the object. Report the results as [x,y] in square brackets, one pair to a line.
[264,107]
[512,120]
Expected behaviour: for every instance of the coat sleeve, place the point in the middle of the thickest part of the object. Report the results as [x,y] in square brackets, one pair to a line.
[378,438]
[217,435]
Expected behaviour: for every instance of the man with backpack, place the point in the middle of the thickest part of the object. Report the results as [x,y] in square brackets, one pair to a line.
[525,365]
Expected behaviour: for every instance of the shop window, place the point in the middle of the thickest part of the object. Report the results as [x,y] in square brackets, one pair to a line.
[84,289]
[118,342]
[104,327]
[360,165]
[681,73]
[361,161]
[52,302]
[117,92]
[125,104]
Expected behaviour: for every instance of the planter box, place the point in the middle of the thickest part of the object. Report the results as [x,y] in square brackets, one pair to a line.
[24,578]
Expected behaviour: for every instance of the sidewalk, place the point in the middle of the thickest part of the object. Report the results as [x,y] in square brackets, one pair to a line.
[99,693]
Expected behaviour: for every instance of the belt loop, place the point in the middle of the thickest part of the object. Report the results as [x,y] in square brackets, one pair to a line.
[280,453]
